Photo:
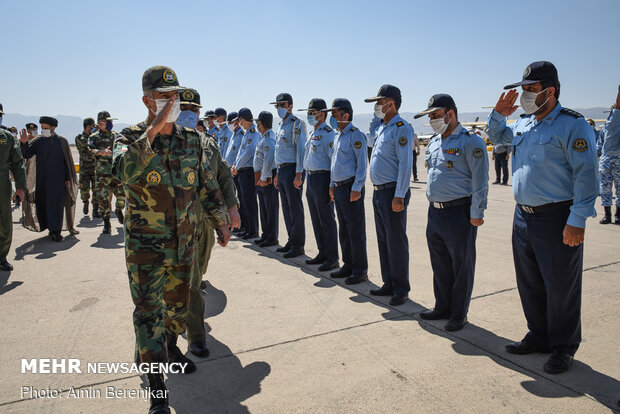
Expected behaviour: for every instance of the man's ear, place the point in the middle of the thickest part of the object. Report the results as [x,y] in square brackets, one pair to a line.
[551,91]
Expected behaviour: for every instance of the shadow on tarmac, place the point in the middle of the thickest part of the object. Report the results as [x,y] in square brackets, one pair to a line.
[44,247]
[111,241]
[4,285]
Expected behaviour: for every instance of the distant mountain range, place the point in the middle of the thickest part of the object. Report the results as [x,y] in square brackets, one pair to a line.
[70,126]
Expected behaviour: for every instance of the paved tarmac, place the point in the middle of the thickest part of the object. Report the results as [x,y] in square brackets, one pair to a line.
[285,338]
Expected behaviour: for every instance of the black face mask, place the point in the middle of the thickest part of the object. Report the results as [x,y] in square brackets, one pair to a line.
[109,125]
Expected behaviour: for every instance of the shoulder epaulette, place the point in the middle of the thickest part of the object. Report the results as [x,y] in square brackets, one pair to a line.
[267,134]
[570,112]
[135,128]
[252,130]
[525,115]
[328,128]
[353,129]
[293,118]
[400,123]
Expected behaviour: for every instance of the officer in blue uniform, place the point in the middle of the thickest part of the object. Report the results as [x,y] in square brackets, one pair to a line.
[264,171]
[457,187]
[348,176]
[608,146]
[317,164]
[223,134]
[231,156]
[555,184]
[244,168]
[390,171]
[290,144]
[209,121]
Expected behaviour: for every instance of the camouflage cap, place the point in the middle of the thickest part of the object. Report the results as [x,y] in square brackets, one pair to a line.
[160,79]
[104,115]
[190,96]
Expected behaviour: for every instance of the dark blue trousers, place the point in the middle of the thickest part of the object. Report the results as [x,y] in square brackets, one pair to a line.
[549,279]
[248,202]
[392,240]
[244,219]
[451,243]
[292,207]
[322,214]
[269,211]
[501,165]
[352,229]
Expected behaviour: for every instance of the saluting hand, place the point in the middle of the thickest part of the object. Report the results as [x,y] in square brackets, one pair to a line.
[506,103]
[573,236]
[160,120]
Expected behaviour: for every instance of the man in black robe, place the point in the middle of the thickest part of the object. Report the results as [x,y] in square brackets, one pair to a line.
[55,177]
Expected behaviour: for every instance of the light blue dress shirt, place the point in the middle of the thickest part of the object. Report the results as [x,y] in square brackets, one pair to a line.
[290,142]
[349,157]
[264,155]
[245,157]
[318,152]
[223,136]
[609,137]
[233,147]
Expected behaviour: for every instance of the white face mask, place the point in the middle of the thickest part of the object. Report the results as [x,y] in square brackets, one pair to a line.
[242,128]
[231,127]
[439,125]
[379,111]
[46,132]
[528,101]
[174,112]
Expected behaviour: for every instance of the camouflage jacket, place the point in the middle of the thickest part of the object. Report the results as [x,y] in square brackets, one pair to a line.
[162,183]
[98,141]
[10,160]
[87,159]
[221,170]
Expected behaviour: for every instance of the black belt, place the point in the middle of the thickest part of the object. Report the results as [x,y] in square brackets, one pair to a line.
[344,182]
[384,186]
[317,172]
[285,164]
[452,203]
[545,207]
[245,169]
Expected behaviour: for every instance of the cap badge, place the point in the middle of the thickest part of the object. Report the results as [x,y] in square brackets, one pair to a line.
[527,72]
[169,77]
[431,101]
[188,95]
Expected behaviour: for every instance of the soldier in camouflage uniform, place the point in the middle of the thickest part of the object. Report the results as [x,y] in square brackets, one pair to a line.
[196,335]
[165,172]
[87,167]
[608,146]
[100,145]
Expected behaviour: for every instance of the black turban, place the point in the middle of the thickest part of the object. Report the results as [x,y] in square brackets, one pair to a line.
[48,120]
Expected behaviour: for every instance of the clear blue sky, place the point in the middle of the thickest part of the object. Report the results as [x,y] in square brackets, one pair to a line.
[79,57]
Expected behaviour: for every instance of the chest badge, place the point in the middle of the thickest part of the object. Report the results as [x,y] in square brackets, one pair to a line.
[153,177]
[191,177]
[449,165]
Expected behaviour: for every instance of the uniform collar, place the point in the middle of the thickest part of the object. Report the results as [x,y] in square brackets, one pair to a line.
[552,115]
[394,120]
[322,125]
[457,131]
[347,128]
[267,132]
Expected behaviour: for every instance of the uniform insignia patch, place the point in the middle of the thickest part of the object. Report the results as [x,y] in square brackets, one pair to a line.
[188,95]
[353,129]
[267,148]
[400,123]
[449,164]
[580,145]
[430,102]
[402,141]
[153,177]
[191,177]
[452,151]
[317,137]
[267,134]
[328,128]
[358,144]
[527,72]
[249,140]
[169,77]
[2,140]
[252,130]
[478,152]
[331,145]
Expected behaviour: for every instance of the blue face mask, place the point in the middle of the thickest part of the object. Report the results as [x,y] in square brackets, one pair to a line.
[312,120]
[187,119]
[282,112]
[333,123]
[0,120]
[92,130]
[109,125]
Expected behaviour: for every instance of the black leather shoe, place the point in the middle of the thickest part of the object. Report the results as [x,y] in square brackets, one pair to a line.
[119,215]
[158,394]
[284,248]
[495,182]
[317,260]
[524,348]
[237,231]
[382,291]
[175,355]
[433,315]
[294,253]
[455,325]
[268,243]
[199,349]
[558,363]
[259,241]
[107,228]
[328,266]
[56,237]
[249,236]
[6,266]
[355,279]
[85,208]
[398,300]
[339,274]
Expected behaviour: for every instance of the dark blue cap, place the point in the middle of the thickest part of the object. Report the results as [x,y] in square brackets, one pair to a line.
[386,91]
[220,112]
[232,117]
[441,100]
[283,97]
[265,117]
[339,103]
[209,113]
[537,72]
[245,113]
[316,104]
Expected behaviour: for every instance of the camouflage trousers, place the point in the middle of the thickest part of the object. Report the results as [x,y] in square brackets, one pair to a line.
[106,184]
[88,183]
[195,318]
[160,295]
[609,168]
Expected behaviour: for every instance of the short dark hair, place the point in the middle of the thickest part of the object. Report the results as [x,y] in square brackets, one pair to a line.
[266,124]
[348,111]
[397,102]
[88,121]
[456,111]
[548,83]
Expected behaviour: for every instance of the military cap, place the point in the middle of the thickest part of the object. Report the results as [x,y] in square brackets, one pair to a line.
[1,109]
[201,123]
[283,97]
[438,101]
[245,113]
[386,91]
[232,117]
[190,96]
[537,72]
[160,79]
[265,117]
[340,104]
[316,104]
[48,120]
[105,115]
[210,113]
[220,112]
[31,125]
